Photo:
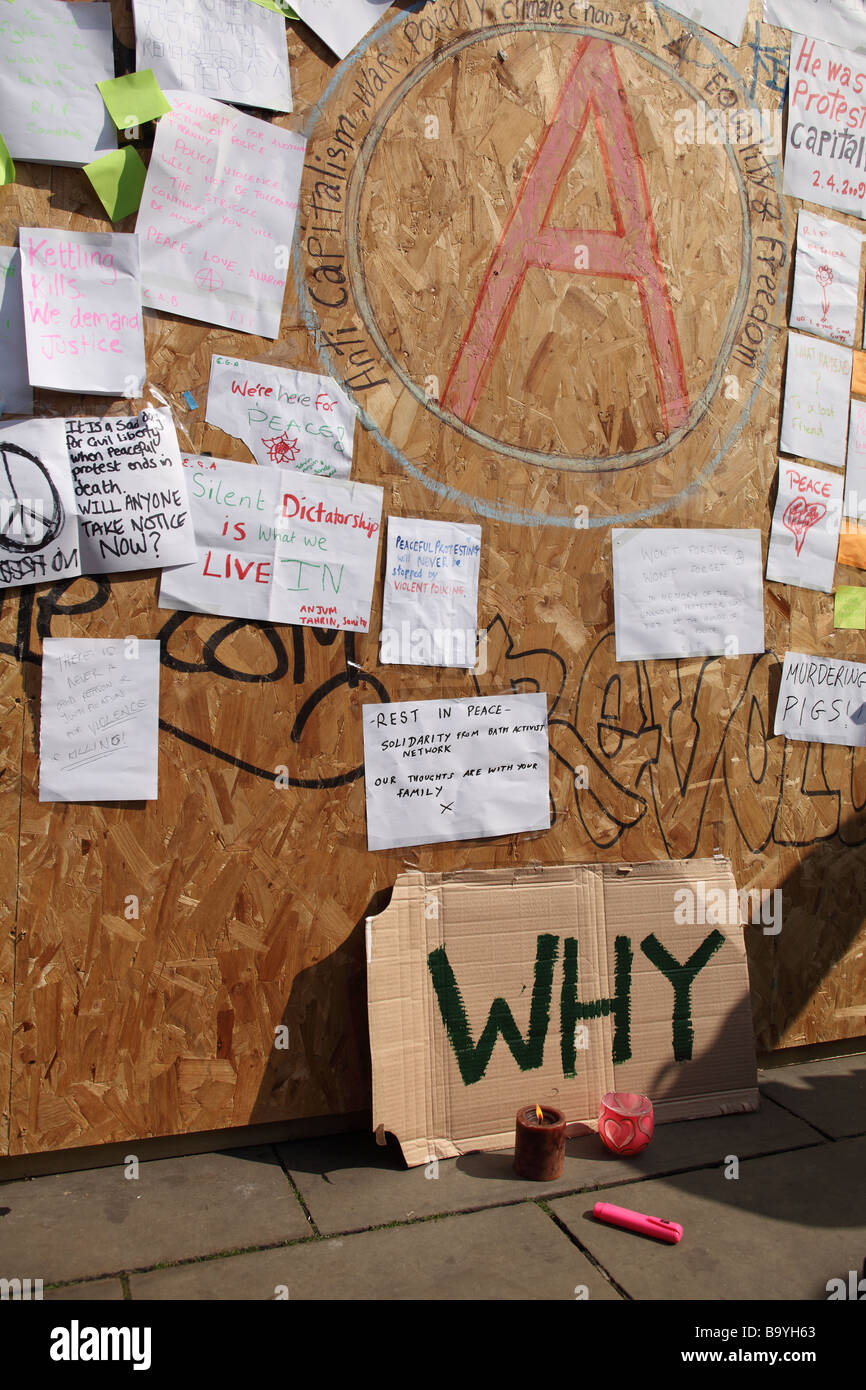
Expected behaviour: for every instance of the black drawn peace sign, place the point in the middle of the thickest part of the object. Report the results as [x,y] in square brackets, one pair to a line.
[31,512]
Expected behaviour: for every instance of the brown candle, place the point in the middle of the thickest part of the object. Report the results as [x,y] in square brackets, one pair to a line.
[539,1143]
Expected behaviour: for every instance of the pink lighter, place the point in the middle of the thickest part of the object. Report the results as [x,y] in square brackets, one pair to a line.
[669,1231]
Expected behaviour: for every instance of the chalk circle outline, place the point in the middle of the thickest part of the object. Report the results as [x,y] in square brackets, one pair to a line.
[55,526]
[582,465]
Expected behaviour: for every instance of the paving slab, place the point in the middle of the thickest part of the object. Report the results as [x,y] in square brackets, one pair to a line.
[829,1094]
[349,1181]
[94,1291]
[507,1253]
[780,1230]
[77,1225]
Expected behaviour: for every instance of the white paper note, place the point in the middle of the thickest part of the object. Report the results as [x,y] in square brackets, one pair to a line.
[687,593]
[439,770]
[817,393]
[723,17]
[805,532]
[38,521]
[229,50]
[287,419]
[99,719]
[855,466]
[822,700]
[82,311]
[280,547]
[52,54]
[16,395]
[841,22]
[825,156]
[218,214]
[430,604]
[131,493]
[342,23]
[826,278]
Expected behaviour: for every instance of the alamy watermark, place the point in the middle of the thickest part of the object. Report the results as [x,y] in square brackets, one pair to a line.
[718,907]
[708,125]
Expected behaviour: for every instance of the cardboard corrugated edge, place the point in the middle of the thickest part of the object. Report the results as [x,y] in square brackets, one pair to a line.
[400,1006]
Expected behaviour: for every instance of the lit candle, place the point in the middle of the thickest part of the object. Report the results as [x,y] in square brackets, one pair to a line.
[539,1143]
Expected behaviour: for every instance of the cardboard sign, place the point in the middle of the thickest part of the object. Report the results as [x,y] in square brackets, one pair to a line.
[815,413]
[280,547]
[680,592]
[822,700]
[38,519]
[826,278]
[805,532]
[99,719]
[489,990]
[825,157]
[130,492]
[218,48]
[430,603]
[838,21]
[455,769]
[218,214]
[16,393]
[82,311]
[52,54]
[286,418]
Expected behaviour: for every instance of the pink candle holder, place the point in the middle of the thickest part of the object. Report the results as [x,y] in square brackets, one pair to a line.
[625,1122]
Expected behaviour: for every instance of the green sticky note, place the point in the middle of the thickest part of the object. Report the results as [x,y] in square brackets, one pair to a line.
[7,168]
[285,10]
[134,99]
[119,179]
[850,606]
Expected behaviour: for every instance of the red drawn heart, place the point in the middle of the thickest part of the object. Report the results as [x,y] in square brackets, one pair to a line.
[799,516]
[618,1133]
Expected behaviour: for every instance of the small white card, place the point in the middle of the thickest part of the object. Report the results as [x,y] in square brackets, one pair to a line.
[439,770]
[287,419]
[681,592]
[822,700]
[82,311]
[817,393]
[826,278]
[99,719]
[430,604]
[805,532]
[342,23]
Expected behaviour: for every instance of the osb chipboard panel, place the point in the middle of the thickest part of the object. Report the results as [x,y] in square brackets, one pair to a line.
[550,412]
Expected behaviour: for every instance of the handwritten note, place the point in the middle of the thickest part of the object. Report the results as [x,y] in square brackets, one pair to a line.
[38,520]
[277,546]
[52,54]
[288,418]
[82,311]
[217,215]
[687,593]
[815,413]
[430,604]
[855,469]
[822,700]
[225,49]
[724,17]
[131,492]
[99,719]
[826,278]
[16,395]
[343,23]
[825,157]
[805,532]
[838,21]
[439,770]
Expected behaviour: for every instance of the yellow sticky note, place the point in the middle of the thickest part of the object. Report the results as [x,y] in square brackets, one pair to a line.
[134,99]
[118,178]
[7,168]
[850,606]
[285,10]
